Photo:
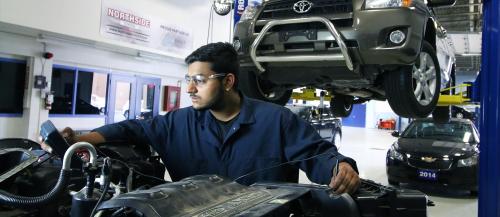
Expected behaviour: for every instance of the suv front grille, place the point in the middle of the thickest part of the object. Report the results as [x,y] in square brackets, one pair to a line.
[284,9]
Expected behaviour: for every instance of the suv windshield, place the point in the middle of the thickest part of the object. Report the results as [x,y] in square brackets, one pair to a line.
[452,131]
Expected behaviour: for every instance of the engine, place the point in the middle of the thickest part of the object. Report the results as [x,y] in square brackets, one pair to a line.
[127,180]
[212,195]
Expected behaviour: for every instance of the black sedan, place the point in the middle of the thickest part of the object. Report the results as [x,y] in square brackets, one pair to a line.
[445,154]
[320,118]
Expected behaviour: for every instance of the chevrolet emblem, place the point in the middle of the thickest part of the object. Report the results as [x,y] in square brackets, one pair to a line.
[428,159]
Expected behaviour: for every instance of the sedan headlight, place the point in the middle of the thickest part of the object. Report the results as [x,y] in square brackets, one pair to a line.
[249,12]
[467,162]
[370,4]
[394,153]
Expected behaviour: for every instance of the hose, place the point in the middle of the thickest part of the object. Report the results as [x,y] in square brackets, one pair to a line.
[10,199]
[22,201]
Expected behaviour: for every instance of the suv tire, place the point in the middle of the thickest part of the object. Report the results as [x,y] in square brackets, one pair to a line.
[410,91]
[442,114]
[341,105]
[255,87]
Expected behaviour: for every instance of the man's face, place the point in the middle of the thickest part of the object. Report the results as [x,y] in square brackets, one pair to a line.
[207,94]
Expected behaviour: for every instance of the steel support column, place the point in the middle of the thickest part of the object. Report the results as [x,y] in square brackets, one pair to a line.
[489,181]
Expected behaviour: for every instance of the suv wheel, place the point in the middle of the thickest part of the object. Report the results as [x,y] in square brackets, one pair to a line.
[442,114]
[341,105]
[413,91]
[257,88]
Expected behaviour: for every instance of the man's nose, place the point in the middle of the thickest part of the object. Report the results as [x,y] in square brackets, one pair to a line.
[191,87]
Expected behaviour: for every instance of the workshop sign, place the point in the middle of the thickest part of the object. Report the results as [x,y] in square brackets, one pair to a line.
[241,5]
[121,24]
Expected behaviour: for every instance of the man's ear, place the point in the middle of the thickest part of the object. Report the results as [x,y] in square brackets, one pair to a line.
[229,81]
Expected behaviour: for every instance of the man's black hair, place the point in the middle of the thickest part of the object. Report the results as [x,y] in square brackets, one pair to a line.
[222,56]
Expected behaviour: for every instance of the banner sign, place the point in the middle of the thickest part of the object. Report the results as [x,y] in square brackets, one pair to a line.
[121,24]
[239,7]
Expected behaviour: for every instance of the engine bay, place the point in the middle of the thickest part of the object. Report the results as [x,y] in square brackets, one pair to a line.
[127,180]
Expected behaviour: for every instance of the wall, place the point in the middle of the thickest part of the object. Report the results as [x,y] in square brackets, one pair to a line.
[81,19]
[78,23]
[357,118]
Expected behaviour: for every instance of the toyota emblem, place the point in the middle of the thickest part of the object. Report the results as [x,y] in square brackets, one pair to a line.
[302,6]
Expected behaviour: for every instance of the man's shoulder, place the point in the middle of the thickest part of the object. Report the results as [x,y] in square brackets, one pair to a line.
[182,112]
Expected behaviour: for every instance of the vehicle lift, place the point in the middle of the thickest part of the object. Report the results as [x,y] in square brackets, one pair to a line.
[463,95]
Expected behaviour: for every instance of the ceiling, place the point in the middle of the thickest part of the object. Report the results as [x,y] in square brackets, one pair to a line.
[466,16]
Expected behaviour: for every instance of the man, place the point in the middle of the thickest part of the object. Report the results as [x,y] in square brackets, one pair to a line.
[231,135]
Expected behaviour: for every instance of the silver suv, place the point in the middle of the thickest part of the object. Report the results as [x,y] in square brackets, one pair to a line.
[357,49]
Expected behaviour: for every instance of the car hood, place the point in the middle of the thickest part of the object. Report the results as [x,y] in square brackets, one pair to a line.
[436,147]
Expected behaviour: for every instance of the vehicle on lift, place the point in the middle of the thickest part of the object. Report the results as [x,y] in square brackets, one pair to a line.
[320,118]
[444,154]
[357,49]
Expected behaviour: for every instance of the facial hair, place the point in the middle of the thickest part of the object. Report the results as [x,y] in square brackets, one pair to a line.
[217,101]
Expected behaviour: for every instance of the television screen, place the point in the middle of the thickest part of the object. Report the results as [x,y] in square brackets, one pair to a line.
[12,86]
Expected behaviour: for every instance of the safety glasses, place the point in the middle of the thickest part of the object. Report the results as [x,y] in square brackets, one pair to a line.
[199,80]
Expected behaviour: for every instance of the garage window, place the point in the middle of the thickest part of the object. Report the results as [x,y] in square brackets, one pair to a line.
[12,86]
[78,91]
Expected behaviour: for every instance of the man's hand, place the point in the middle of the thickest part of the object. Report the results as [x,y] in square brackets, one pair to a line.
[346,181]
[67,133]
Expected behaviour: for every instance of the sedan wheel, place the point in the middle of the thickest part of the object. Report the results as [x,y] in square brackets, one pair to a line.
[413,91]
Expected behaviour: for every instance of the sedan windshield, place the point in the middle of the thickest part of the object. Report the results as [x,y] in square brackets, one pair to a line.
[453,131]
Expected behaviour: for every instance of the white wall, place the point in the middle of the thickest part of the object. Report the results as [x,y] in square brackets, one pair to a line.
[78,23]
[81,18]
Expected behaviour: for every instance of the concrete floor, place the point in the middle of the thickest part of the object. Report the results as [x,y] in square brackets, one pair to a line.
[369,147]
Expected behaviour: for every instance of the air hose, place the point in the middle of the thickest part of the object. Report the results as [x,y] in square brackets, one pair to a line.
[10,199]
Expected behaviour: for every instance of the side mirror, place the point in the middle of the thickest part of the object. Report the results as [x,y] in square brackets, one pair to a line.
[437,3]
[395,133]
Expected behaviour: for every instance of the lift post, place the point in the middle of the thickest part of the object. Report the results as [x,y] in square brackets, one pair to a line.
[489,160]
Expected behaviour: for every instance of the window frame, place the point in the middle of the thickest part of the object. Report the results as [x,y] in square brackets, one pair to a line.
[75,88]
[26,80]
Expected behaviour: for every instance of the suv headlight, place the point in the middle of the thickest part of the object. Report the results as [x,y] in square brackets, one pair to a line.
[370,4]
[467,162]
[394,153]
[249,12]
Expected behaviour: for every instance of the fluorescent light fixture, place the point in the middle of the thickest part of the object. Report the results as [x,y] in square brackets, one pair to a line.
[470,54]
[151,56]
[61,41]
[137,54]
[158,57]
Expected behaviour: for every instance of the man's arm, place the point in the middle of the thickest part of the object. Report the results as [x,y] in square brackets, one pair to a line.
[302,141]
[71,138]
[93,138]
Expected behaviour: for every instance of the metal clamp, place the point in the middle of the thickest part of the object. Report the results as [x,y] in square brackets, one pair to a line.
[293,58]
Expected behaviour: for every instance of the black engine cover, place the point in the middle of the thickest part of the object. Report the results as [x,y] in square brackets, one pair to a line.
[212,195]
